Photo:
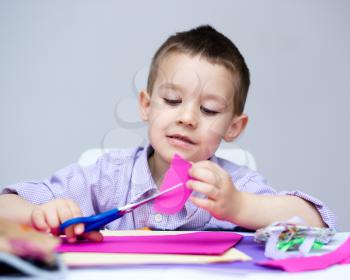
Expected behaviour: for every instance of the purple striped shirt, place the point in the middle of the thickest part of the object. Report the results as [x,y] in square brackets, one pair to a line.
[123,176]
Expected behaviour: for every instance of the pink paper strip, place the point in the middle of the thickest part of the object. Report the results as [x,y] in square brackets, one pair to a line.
[338,256]
[174,201]
[346,261]
[203,243]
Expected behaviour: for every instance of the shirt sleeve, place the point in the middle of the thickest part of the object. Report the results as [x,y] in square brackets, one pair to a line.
[257,184]
[250,181]
[81,184]
[327,215]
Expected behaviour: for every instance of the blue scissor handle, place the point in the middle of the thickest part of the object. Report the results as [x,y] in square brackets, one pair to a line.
[94,222]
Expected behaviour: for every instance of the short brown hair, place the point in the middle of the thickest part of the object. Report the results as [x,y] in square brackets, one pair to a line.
[216,48]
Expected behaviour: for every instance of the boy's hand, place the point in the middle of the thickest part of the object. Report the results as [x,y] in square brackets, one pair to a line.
[49,216]
[223,199]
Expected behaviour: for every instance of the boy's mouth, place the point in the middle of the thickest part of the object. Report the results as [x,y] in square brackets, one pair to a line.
[181,138]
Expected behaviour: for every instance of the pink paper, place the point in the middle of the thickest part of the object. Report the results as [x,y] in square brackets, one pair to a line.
[203,243]
[346,261]
[340,255]
[174,201]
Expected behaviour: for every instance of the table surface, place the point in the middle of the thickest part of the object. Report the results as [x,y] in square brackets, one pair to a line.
[202,272]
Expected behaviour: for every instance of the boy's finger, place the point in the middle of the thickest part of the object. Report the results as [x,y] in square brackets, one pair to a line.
[69,232]
[204,188]
[209,165]
[65,214]
[95,236]
[204,174]
[38,220]
[203,203]
[75,210]
[218,175]
[51,217]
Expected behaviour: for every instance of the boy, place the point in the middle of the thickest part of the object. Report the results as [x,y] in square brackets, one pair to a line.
[196,91]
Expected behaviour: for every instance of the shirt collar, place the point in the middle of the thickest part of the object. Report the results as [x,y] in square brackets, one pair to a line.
[141,177]
[214,159]
[142,181]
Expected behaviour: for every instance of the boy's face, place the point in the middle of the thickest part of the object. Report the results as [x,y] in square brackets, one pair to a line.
[190,109]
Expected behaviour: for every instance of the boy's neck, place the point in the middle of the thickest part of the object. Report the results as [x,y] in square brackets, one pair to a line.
[158,167]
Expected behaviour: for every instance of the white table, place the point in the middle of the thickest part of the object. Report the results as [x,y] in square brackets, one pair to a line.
[202,272]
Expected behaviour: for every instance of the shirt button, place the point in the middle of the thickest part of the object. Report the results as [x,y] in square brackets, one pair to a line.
[158,218]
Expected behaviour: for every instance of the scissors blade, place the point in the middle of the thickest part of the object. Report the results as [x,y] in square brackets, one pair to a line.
[129,207]
[95,222]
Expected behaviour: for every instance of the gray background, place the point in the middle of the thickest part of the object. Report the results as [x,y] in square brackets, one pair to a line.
[70,69]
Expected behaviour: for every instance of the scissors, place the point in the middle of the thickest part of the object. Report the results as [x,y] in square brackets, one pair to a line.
[96,222]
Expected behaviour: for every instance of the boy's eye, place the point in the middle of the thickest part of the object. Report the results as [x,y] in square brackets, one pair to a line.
[172,102]
[208,111]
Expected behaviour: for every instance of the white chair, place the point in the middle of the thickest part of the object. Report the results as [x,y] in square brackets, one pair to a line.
[236,155]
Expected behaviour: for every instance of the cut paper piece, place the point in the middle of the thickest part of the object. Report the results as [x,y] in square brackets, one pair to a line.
[197,243]
[292,238]
[339,256]
[174,201]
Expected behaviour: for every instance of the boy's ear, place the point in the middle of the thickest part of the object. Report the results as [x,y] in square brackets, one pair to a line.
[144,104]
[237,125]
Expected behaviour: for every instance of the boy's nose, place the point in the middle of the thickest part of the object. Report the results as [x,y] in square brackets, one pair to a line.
[187,116]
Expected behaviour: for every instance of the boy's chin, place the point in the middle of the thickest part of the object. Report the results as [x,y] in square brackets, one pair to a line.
[184,155]
[169,155]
